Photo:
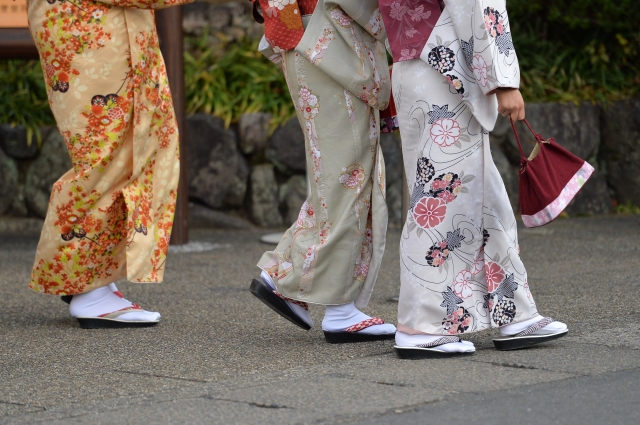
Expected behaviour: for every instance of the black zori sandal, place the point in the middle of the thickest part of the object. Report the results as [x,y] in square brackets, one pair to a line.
[111,321]
[351,334]
[430,350]
[528,337]
[277,303]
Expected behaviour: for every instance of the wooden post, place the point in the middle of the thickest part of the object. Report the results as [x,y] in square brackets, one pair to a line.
[16,43]
[169,23]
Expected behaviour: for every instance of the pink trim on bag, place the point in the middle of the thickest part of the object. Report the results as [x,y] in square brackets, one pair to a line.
[553,210]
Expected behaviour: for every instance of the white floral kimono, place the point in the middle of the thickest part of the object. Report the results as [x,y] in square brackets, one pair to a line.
[460,266]
[339,79]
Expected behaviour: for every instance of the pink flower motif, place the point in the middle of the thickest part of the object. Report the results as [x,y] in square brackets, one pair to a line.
[480,70]
[438,184]
[410,32]
[446,196]
[461,285]
[445,132]
[478,263]
[419,14]
[429,212]
[495,275]
[397,11]
[407,54]
[352,177]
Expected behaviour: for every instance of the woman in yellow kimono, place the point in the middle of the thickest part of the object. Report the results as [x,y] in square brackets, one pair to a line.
[110,217]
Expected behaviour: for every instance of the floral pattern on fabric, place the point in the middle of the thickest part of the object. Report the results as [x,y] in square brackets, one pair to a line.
[111,216]
[460,268]
[337,77]
[408,24]
[352,177]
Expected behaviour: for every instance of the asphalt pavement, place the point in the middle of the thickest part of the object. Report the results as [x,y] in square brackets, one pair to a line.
[219,356]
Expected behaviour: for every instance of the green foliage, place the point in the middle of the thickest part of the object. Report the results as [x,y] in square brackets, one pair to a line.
[23,96]
[238,80]
[577,50]
[628,209]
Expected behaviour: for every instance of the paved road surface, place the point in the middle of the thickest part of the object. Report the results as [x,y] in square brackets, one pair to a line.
[219,356]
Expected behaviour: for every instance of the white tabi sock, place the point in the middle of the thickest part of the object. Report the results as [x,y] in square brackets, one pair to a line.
[104,300]
[338,318]
[406,340]
[551,328]
[297,309]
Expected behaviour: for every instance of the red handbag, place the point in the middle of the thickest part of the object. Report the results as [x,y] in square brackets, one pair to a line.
[548,180]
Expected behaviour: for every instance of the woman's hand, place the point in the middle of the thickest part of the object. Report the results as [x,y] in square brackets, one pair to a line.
[510,103]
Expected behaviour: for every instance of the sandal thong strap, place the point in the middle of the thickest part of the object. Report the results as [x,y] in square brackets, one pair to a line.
[120,312]
[535,327]
[291,300]
[365,324]
[440,341]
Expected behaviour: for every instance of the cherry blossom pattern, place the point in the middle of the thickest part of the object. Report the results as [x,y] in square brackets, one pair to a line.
[461,286]
[439,252]
[456,83]
[361,269]
[69,30]
[479,66]
[316,54]
[496,27]
[494,22]
[425,171]
[306,217]
[504,312]
[445,187]
[494,276]
[445,132]
[442,59]
[429,212]
[308,103]
[352,177]
[408,24]
[457,322]
[340,17]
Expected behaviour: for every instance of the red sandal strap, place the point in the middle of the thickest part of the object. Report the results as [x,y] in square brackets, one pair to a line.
[114,314]
[365,324]
[296,302]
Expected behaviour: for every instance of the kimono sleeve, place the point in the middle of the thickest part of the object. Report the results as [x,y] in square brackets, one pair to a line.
[485,37]
[145,4]
[366,13]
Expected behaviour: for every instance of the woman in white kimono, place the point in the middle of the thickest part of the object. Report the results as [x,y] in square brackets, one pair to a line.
[455,70]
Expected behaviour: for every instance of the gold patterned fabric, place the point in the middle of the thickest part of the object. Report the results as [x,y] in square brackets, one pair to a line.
[109,217]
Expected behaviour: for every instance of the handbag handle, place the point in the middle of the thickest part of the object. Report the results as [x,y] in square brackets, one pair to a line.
[537,136]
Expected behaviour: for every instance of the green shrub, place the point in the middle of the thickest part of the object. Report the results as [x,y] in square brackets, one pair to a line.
[23,96]
[577,50]
[239,80]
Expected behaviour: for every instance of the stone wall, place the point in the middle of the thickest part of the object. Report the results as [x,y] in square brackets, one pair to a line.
[244,171]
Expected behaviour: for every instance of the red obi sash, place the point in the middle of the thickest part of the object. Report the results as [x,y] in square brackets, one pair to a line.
[282,20]
[409,24]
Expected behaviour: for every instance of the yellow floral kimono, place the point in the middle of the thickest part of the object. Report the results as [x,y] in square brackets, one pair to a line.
[109,217]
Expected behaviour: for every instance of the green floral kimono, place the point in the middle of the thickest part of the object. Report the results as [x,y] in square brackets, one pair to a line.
[339,79]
